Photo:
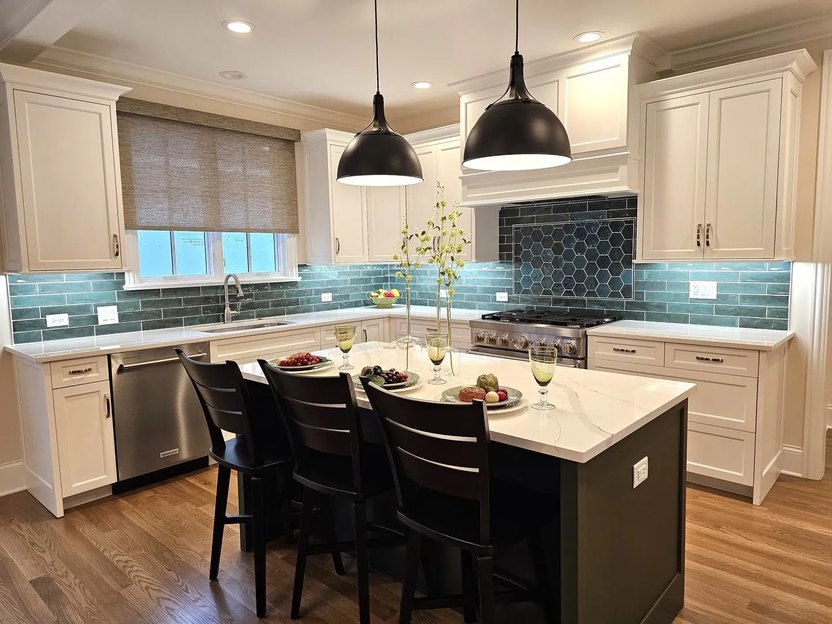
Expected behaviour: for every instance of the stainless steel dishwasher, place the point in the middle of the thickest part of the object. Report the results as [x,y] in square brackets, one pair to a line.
[157,418]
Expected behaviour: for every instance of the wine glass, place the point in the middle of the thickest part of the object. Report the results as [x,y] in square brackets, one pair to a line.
[345,337]
[437,345]
[543,359]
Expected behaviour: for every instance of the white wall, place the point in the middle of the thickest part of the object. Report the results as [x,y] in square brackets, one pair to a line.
[11,448]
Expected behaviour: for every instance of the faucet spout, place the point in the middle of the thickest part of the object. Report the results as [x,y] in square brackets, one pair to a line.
[228,312]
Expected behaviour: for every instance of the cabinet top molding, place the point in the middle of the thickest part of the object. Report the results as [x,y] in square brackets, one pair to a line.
[39,79]
[798,62]
[636,44]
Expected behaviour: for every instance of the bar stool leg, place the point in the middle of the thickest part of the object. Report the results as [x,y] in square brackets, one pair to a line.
[361,556]
[303,547]
[220,506]
[259,530]
[485,578]
[329,527]
[414,547]
[469,590]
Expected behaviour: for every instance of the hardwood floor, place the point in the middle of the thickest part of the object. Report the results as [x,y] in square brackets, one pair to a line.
[143,558]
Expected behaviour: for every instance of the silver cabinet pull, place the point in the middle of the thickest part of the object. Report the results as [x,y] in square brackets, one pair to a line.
[620,350]
[699,235]
[106,406]
[116,246]
[79,371]
[708,235]
[715,360]
[364,331]
[337,245]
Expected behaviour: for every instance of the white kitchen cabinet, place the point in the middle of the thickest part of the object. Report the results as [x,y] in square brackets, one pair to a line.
[374,330]
[735,415]
[86,445]
[719,161]
[62,207]
[345,223]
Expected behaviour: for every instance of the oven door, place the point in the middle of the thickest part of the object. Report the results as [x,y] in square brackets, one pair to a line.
[514,354]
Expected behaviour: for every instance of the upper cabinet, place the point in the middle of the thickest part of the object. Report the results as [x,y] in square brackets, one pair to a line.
[719,161]
[593,92]
[344,223]
[59,173]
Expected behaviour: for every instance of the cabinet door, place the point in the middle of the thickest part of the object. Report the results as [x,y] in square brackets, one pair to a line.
[69,183]
[349,217]
[449,156]
[421,198]
[743,148]
[86,446]
[385,214]
[373,331]
[675,165]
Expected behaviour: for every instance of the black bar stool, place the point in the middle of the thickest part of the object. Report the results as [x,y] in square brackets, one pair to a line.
[440,459]
[228,406]
[332,460]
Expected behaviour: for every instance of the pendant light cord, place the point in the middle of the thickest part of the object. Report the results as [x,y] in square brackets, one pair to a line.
[375,5]
[517,27]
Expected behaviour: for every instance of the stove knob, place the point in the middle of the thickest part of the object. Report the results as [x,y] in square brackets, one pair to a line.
[479,336]
[502,340]
[542,342]
[570,348]
[521,342]
[491,338]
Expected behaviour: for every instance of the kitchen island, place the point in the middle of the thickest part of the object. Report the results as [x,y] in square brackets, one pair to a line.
[615,551]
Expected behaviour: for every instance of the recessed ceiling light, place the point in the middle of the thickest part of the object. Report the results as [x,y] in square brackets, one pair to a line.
[589,37]
[241,27]
[232,75]
[421,84]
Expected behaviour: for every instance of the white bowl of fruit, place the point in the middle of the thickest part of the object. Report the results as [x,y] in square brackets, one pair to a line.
[384,298]
[303,361]
[487,389]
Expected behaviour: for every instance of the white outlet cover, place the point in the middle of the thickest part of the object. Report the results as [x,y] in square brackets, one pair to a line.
[326,297]
[57,320]
[502,296]
[641,471]
[702,290]
[107,315]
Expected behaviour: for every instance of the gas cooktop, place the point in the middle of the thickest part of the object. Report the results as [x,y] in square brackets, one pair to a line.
[576,319]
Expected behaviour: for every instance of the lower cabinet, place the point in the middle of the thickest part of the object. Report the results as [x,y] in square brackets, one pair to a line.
[419,328]
[735,415]
[86,445]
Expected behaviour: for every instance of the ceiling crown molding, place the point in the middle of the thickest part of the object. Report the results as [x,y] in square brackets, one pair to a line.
[796,34]
[64,60]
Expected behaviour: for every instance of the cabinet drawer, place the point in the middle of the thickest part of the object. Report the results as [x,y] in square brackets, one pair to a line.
[626,350]
[721,453]
[251,348]
[713,359]
[80,371]
[722,401]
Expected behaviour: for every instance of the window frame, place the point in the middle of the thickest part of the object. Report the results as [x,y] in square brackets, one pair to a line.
[286,259]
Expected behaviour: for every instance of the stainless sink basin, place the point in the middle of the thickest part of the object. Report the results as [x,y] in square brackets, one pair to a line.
[232,327]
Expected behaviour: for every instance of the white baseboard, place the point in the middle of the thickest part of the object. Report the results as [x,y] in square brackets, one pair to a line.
[829,416]
[12,477]
[791,461]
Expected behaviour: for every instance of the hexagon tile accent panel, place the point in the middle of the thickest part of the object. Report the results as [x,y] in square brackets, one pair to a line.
[582,259]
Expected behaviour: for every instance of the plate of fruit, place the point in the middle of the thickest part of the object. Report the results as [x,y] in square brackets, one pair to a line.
[304,361]
[389,379]
[384,298]
[487,389]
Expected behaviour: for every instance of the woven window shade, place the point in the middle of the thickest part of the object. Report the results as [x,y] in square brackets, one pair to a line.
[185,170]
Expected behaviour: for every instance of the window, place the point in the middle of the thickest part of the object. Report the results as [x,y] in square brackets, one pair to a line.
[179,258]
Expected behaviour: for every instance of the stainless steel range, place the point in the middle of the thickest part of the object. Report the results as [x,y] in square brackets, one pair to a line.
[509,334]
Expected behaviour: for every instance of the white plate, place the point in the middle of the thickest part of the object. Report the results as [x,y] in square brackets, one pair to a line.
[413,381]
[514,396]
[302,370]
[513,409]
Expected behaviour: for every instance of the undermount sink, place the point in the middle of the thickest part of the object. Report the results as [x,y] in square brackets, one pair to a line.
[232,327]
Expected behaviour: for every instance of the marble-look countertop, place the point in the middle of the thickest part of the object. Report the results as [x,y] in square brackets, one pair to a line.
[56,350]
[593,409]
[757,339]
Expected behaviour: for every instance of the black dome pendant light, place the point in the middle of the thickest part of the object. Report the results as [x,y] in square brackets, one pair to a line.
[517,133]
[378,156]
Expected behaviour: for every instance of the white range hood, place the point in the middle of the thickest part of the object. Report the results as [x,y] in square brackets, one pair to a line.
[593,92]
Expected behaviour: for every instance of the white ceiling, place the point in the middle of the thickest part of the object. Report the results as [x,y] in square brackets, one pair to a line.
[320,52]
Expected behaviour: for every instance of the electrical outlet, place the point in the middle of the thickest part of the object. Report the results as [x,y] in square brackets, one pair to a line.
[502,297]
[443,293]
[640,472]
[57,320]
[107,315]
[702,290]
[326,297]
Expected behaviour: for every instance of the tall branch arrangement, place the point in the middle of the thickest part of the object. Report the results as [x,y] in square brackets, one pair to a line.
[409,259]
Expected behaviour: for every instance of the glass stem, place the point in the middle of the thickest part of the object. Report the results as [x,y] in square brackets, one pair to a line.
[437,373]
[346,358]
[544,394]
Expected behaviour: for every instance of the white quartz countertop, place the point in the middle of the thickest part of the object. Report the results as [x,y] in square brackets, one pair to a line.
[593,409]
[758,339]
[55,350]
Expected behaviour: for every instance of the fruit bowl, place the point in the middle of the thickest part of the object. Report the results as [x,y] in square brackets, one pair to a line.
[384,298]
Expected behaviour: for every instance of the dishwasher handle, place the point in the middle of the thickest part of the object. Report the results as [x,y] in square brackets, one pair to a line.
[127,367]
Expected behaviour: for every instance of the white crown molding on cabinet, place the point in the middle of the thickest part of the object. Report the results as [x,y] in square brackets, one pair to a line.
[39,79]
[752,44]
[158,85]
[637,44]
[435,134]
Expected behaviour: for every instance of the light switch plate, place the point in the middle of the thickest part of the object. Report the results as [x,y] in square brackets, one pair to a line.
[326,297]
[57,320]
[107,315]
[640,472]
[502,297]
[703,290]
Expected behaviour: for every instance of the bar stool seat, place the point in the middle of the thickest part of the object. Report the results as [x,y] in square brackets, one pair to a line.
[236,455]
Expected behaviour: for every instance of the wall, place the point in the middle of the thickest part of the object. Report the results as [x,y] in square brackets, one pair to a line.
[11,448]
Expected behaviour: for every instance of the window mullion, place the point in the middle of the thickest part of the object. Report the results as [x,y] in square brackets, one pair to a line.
[173,253]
